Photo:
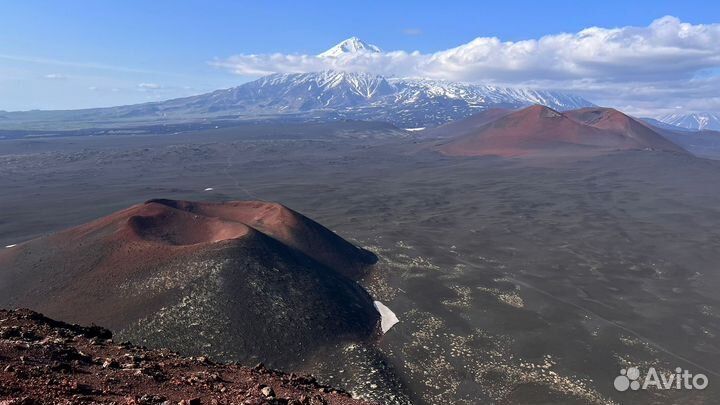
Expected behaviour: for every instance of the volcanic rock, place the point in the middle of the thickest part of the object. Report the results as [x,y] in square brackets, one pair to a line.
[25,379]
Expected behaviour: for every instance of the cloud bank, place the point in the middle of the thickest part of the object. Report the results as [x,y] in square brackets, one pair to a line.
[666,65]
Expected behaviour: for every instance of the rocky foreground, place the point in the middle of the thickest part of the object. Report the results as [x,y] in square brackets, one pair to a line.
[43,361]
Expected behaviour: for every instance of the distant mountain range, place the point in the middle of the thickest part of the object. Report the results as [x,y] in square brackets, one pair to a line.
[694,121]
[325,95]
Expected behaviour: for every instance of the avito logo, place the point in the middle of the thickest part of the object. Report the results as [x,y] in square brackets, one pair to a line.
[632,379]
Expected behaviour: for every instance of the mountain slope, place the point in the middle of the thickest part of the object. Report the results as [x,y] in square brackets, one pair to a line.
[659,125]
[236,280]
[703,143]
[538,130]
[695,121]
[637,133]
[454,129]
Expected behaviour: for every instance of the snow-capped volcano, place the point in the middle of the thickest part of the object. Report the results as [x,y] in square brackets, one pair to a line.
[695,121]
[409,103]
[350,45]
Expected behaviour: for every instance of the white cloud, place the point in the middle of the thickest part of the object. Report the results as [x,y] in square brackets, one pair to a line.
[55,76]
[640,68]
[149,86]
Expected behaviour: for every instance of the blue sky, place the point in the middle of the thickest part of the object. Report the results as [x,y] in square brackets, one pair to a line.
[73,54]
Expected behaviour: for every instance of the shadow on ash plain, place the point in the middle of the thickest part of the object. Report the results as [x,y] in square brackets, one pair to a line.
[513,284]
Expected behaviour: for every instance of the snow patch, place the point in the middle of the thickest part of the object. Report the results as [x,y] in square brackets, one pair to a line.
[387,317]
[414,129]
[209,189]
[9,246]
[694,121]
